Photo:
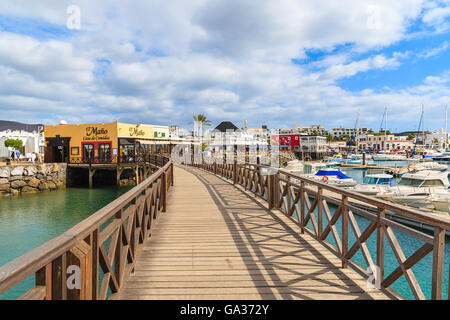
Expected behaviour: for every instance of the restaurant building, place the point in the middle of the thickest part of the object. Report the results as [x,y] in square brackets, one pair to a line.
[104,142]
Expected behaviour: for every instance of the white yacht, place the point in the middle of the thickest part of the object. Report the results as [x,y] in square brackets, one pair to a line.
[333,176]
[388,157]
[444,157]
[294,166]
[441,201]
[419,166]
[374,184]
[416,188]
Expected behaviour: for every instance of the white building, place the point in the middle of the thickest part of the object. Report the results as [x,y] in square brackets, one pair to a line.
[313,144]
[32,137]
[435,139]
[338,132]
[305,130]
[381,142]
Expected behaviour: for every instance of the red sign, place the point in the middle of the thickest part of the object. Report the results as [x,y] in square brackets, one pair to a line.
[286,140]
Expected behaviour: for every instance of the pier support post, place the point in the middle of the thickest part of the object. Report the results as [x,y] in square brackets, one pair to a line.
[91,175]
[136,173]
[119,173]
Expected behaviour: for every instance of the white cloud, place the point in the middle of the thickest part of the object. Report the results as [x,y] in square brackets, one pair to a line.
[148,61]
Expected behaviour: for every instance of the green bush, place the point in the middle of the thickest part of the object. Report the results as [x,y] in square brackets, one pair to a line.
[15,143]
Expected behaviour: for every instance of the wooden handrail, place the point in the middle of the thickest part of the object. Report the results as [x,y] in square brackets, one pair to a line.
[289,197]
[145,203]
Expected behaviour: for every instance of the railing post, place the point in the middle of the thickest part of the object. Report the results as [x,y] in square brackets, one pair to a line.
[344,230]
[438,263]
[319,212]
[380,243]
[270,188]
[275,189]
[164,192]
[95,263]
[44,278]
[79,267]
[118,267]
[234,171]
[171,174]
[301,219]
[59,278]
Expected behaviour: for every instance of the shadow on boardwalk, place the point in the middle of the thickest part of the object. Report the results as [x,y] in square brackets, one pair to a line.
[220,242]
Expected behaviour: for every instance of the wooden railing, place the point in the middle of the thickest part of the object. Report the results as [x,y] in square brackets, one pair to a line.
[105,245]
[308,201]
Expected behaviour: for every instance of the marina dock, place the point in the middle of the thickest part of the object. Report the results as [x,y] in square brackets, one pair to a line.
[217,241]
[236,231]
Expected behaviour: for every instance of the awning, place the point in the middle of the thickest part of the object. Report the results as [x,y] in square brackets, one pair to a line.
[146,141]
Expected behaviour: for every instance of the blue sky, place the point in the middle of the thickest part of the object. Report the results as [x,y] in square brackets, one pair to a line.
[277,63]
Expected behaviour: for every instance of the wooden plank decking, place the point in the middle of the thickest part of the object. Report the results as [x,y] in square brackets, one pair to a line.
[218,242]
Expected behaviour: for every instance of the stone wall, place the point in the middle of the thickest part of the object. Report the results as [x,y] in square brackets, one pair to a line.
[17,179]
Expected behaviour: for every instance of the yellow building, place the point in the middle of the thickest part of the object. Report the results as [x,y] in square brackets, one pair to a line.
[104,142]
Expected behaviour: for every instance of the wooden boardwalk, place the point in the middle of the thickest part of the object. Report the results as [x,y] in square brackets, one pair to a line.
[217,241]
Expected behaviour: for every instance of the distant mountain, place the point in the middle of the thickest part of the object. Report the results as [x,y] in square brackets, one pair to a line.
[12,125]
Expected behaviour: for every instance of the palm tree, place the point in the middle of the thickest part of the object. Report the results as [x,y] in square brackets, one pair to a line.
[201,121]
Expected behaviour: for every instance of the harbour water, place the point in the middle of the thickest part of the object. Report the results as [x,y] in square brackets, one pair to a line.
[28,221]
[422,270]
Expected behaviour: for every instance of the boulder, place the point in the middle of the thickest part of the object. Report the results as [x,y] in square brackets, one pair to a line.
[30,171]
[55,167]
[49,169]
[34,182]
[14,192]
[51,185]
[15,178]
[4,186]
[60,185]
[41,169]
[17,171]
[43,186]
[4,172]
[3,180]
[40,176]
[28,189]
[18,184]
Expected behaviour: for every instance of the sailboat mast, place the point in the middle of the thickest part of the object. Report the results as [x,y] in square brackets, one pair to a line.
[446,131]
[385,128]
[357,130]
[423,126]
